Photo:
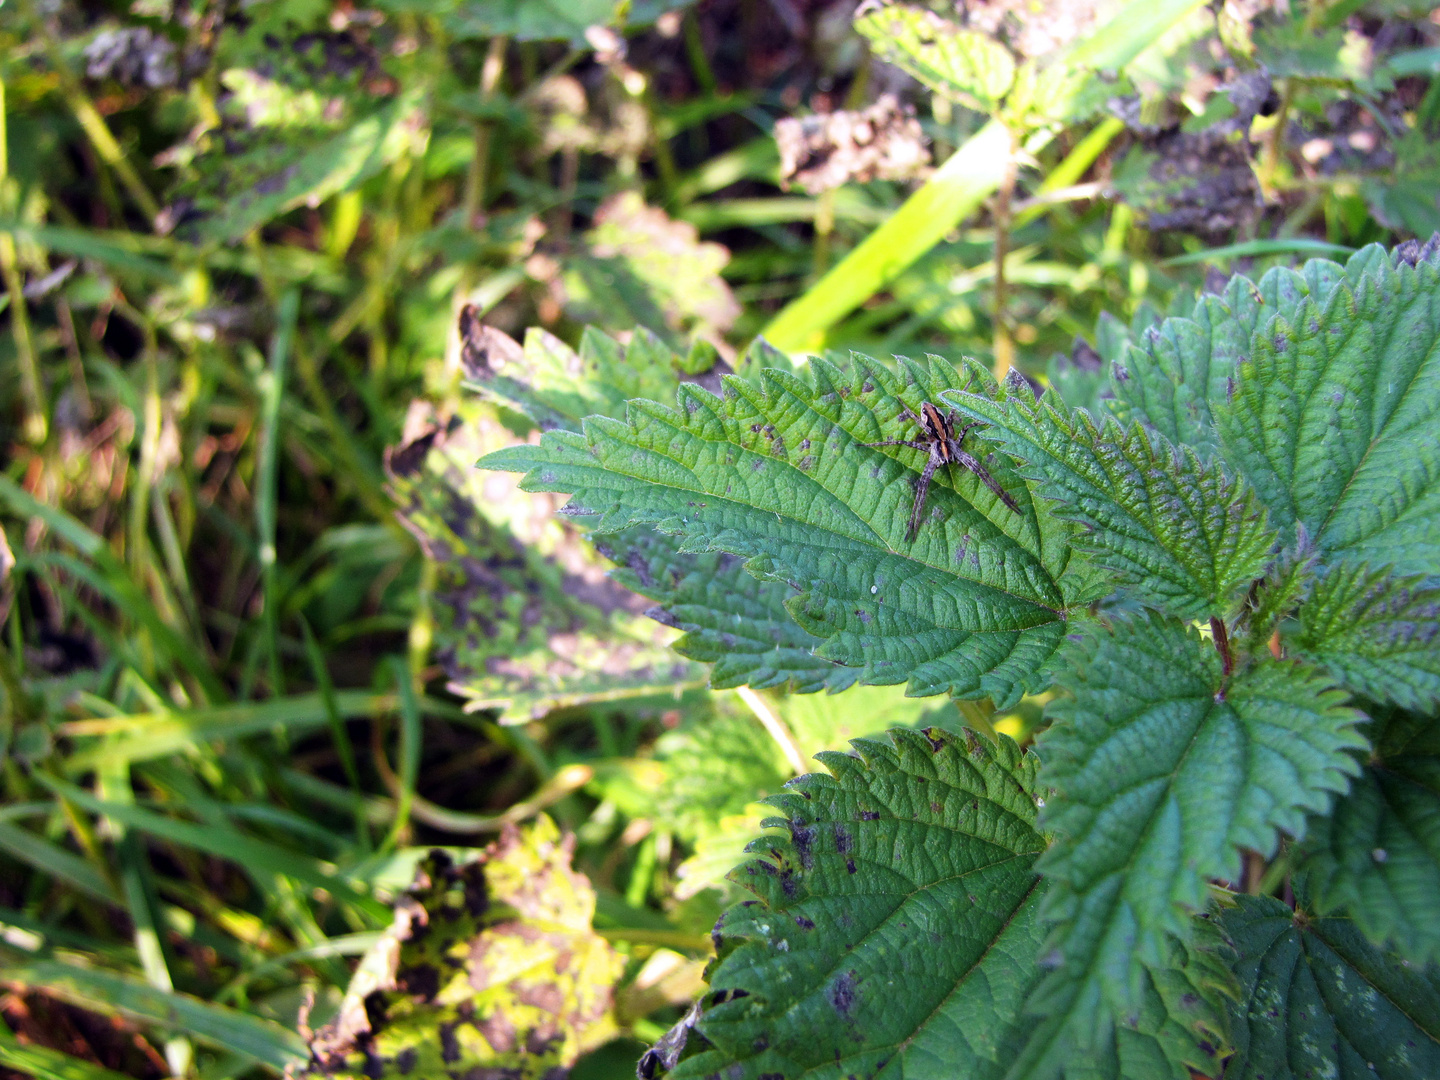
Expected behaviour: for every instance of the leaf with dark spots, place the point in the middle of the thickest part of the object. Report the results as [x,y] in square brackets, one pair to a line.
[532,990]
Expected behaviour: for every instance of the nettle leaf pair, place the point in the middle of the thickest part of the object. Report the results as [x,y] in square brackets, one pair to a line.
[1227,561]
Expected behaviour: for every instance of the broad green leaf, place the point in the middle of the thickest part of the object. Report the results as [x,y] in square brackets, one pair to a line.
[730,618]
[491,966]
[965,65]
[1377,633]
[113,994]
[1329,415]
[777,474]
[896,931]
[280,175]
[1182,535]
[1319,1001]
[1165,769]
[1376,857]
[1174,1029]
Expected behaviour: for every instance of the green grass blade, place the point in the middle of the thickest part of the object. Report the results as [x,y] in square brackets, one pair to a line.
[64,867]
[272,390]
[110,993]
[45,1064]
[1295,245]
[956,190]
[249,853]
[145,736]
[1134,29]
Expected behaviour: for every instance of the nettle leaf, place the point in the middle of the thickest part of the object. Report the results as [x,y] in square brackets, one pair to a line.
[1321,1001]
[1376,858]
[1176,1027]
[1164,770]
[961,64]
[896,927]
[1183,536]
[1171,373]
[1377,632]
[776,472]
[1331,416]
[730,618]
[896,930]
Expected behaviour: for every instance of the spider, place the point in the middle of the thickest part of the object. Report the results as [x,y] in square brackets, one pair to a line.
[938,439]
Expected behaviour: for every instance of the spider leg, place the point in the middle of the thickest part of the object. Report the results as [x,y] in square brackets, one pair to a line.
[921,490]
[962,458]
[914,445]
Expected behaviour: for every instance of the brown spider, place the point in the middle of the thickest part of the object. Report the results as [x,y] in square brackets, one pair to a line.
[938,439]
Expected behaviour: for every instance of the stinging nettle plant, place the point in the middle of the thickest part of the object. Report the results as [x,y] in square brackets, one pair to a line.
[1222,855]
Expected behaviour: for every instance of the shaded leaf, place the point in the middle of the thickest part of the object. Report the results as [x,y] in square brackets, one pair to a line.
[1377,633]
[776,473]
[282,173]
[1183,536]
[491,964]
[1164,769]
[528,627]
[1376,857]
[676,274]
[1319,1001]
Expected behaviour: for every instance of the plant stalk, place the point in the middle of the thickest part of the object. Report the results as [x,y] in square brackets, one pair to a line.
[1004,345]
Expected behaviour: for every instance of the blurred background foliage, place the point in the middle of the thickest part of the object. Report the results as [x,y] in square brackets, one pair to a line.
[266,637]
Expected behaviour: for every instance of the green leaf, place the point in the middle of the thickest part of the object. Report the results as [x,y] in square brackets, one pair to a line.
[1376,858]
[776,473]
[1185,537]
[1320,1001]
[281,175]
[1329,414]
[1175,1029]
[1377,633]
[1164,770]
[730,618]
[896,929]
[965,65]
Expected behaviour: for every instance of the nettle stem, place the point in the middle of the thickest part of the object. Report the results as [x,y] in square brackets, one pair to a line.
[1222,645]
[1004,346]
